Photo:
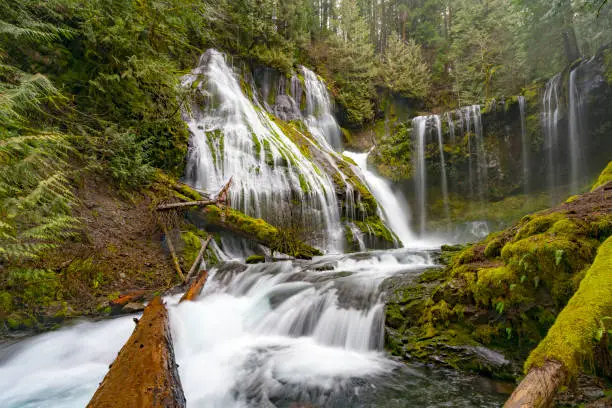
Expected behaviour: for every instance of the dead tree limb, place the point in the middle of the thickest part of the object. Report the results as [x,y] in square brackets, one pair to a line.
[175,260]
[195,288]
[202,203]
[198,258]
[144,374]
[222,198]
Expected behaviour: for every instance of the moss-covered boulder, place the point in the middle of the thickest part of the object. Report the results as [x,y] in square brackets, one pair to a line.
[503,293]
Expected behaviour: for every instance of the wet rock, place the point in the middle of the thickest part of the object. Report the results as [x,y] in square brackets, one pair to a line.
[480,359]
[133,307]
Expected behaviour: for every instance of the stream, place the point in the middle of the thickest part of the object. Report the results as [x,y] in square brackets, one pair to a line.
[285,334]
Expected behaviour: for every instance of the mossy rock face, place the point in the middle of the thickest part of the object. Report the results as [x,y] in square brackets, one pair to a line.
[504,292]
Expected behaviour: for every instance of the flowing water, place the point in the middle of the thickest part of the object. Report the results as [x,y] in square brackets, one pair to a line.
[319,113]
[524,145]
[419,125]
[575,131]
[396,212]
[285,334]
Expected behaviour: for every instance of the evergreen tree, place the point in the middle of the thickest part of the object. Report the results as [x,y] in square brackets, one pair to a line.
[403,69]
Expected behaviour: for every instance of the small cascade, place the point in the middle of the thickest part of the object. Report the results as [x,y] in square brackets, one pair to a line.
[575,131]
[420,171]
[357,236]
[396,212]
[524,144]
[451,126]
[443,179]
[231,137]
[550,121]
[319,116]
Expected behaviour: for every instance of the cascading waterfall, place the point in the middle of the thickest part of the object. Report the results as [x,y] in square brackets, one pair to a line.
[524,144]
[319,116]
[575,130]
[420,171]
[443,179]
[233,138]
[421,125]
[396,212]
[550,120]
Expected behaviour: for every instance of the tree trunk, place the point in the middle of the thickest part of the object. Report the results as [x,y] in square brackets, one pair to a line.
[538,388]
[144,374]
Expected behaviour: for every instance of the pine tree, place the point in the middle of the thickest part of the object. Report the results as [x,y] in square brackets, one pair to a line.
[403,69]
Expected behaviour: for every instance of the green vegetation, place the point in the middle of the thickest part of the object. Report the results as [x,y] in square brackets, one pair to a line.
[517,280]
[578,328]
[604,178]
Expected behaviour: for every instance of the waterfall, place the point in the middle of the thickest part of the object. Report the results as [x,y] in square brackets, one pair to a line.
[420,171]
[319,116]
[524,144]
[550,120]
[231,137]
[575,130]
[443,179]
[472,120]
[395,210]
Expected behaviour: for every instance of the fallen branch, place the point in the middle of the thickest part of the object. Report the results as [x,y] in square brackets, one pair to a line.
[195,288]
[222,198]
[144,374]
[198,258]
[202,203]
[175,260]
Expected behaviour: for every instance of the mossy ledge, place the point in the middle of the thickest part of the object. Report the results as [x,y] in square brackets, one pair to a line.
[257,230]
[503,293]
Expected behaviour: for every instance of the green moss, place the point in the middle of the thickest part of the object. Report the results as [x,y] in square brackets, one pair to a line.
[537,224]
[375,227]
[258,230]
[493,285]
[191,248]
[255,259]
[604,178]
[304,184]
[495,242]
[572,338]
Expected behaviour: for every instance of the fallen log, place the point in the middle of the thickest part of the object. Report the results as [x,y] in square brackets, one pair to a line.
[175,260]
[570,341]
[198,258]
[195,288]
[144,374]
[254,229]
[539,386]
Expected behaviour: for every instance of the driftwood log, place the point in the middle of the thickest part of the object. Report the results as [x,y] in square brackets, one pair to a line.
[539,387]
[144,374]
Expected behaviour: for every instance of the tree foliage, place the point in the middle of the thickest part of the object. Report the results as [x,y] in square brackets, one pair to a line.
[403,69]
